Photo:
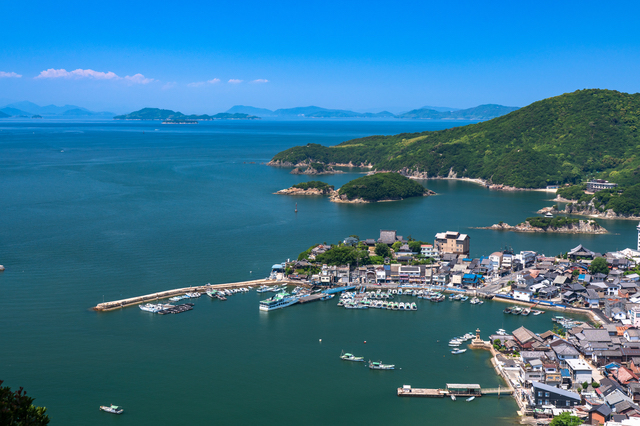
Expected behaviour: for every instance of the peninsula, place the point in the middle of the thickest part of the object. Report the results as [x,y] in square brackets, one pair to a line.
[315,169]
[167,114]
[619,202]
[379,187]
[551,141]
[560,225]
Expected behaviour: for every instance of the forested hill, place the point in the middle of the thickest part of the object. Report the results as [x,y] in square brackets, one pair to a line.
[564,139]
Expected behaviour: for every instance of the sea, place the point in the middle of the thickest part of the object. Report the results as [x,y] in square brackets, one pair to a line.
[93,211]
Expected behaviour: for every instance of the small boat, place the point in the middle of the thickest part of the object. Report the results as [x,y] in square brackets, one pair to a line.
[458,351]
[548,214]
[463,298]
[328,296]
[114,409]
[507,310]
[501,332]
[351,357]
[380,366]
[453,397]
[455,342]
[525,311]
[536,312]
[471,398]
[516,310]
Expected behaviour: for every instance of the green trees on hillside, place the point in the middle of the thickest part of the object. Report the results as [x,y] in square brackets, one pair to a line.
[382,186]
[559,140]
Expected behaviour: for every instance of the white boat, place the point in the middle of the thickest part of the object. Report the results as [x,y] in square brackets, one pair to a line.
[351,357]
[471,398]
[455,342]
[453,397]
[114,409]
[501,332]
[279,300]
[380,366]
[263,289]
[458,351]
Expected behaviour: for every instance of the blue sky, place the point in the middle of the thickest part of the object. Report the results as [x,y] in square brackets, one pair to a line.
[205,57]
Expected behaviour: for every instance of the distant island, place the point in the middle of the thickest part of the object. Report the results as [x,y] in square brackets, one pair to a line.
[36,116]
[313,187]
[167,114]
[482,112]
[29,109]
[561,225]
[379,187]
[564,139]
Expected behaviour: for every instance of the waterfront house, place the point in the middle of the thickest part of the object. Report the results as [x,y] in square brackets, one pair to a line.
[525,338]
[428,251]
[591,299]
[564,351]
[526,258]
[549,395]
[532,372]
[522,294]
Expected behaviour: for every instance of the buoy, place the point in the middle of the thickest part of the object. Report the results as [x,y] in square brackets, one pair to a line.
[320,340]
[365,342]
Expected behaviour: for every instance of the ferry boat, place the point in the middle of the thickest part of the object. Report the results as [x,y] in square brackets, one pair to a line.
[380,366]
[351,357]
[280,300]
[114,409]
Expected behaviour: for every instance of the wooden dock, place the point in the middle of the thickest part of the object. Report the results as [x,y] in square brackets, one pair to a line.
[457,390]
[118,304]
[426,393]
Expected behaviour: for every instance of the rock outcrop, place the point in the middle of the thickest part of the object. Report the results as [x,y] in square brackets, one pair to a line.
[581,227]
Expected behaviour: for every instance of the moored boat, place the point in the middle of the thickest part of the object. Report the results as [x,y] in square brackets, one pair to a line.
[114,409]
[380,366]
[278,301]
[458,351]
[351,357]
[471,398]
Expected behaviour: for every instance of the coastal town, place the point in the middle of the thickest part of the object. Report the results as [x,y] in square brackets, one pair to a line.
[589,368]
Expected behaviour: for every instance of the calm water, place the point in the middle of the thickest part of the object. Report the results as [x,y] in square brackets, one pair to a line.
[103,210]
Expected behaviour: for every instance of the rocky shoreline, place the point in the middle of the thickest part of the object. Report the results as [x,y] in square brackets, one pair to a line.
[588,211]
[582,227]
[337,198]
[300,191]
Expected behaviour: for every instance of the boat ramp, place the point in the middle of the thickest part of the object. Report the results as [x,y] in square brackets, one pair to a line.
[454,389]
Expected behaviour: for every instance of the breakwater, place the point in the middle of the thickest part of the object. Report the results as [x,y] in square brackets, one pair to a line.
[122,303]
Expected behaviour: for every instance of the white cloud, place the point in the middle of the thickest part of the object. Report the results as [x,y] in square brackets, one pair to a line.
[169,85]
[96,75]
[235,81]
[139,79]
[9,75]
[260,80]
[214,81]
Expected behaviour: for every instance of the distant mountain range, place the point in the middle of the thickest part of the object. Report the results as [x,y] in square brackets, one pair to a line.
[26,108]
[482,112]
[167,114]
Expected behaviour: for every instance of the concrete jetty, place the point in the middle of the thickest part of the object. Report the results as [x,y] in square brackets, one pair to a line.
[118,304]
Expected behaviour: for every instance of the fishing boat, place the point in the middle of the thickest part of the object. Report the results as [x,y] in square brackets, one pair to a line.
[263,289]
[113,409]
[328,296]
[458,351]
[380,366]
[507,310]
[471,398]
[464,298]
[501,332]
[516,310]
[476,301]
[455,342]
[351,357]
[414,307]
[536,312]
[525,312]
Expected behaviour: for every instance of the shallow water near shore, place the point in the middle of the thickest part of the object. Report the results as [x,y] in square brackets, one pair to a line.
[98,211]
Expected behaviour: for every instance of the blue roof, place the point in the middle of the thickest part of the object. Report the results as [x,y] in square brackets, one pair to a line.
[278,266]
[581,277]
[612,366]
[565,372]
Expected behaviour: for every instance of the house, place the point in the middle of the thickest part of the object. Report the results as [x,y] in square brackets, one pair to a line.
[600,414]
[526,258]
[471,280]
[452,242]
[591,299]
[580,370]
[428,251]
[549,395]
[525,338]
[632,335]
[564,351]
[522,294]
[532,371]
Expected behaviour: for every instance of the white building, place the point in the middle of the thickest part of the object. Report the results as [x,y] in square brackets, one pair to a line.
[522,294]
[580,370]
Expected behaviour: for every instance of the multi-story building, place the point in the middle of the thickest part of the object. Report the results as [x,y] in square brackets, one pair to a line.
[452,242]
[427,250]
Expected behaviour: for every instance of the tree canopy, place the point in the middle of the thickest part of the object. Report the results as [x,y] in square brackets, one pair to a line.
[382,186]
[566,419]
[17,409]
[599,266]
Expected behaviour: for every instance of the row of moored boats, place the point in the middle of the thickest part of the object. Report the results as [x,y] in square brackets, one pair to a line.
[373,365]
[518,310]
[457,341]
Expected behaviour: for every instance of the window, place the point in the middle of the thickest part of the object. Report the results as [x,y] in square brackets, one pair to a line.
[568,403]
[540,393]
[546,394]
[546,402]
